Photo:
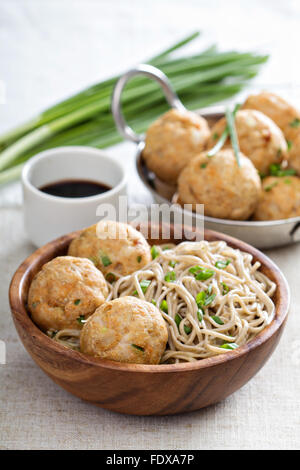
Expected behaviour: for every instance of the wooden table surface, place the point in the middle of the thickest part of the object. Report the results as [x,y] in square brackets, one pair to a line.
[51,49]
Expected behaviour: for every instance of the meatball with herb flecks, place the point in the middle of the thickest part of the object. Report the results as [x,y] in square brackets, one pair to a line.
[127,330]
[280,198]
[228,191]
[260,139]
[63,290]
[172,140]
[113,247]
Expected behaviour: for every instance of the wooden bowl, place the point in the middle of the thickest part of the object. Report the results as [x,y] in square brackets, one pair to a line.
[146,389]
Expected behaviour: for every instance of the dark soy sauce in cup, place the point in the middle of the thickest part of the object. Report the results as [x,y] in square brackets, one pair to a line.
[75,188]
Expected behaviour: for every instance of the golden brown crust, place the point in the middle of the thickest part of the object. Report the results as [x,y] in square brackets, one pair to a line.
[126,329]
[64,289]
[124,252]
[171,142]
[226,190]
[260,139]
[277,109]
[280,198]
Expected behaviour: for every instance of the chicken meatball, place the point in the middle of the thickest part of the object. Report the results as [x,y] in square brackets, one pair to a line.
[113,247]
[259,138]
[171,142]
[294,154]
[65,289]
[280,198]
[226,190]
[276,108]
[125,330]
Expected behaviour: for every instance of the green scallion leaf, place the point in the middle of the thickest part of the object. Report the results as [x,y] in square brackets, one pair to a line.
[170,276]
[153,302]
[104,258]
[295,123]
[172,263]
[289,144]
[271,186]
[200,314]
[164,306]
[154,252]
[217,320]
[229,346]
[139,348]
[81,320]
[276,170]
[225,288]
[145,283]
[222,264]
[201,274]
[110,277]
[139,259]
[233,135]
[77,302]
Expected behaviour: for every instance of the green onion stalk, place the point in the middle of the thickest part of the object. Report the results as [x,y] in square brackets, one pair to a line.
[85,118]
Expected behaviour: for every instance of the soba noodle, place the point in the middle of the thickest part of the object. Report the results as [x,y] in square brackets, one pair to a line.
[211,296]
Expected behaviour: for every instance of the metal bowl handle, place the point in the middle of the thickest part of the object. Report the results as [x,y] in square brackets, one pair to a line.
[148,71]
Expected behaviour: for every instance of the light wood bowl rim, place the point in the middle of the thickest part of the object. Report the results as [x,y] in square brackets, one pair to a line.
[19,311]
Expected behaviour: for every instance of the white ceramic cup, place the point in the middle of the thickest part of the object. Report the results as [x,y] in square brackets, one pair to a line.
[47,217]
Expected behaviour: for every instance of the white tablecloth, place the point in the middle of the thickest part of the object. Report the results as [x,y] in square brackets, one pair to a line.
[52,48]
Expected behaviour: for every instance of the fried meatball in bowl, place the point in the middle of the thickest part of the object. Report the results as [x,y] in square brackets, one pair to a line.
[63,290]
[280,198]
[294,154]
[260,139]
[113,247]
[228,191]
[172,140]
[286,116]
[126,329]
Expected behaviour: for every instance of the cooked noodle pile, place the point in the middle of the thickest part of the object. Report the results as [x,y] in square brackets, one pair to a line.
[211,296]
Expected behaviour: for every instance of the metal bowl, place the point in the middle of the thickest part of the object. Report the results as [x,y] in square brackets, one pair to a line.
[266,234]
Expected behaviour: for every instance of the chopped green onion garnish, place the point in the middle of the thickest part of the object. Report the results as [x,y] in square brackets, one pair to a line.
[154,252]
[172,264]
[81,319]
[187,329]
[275,170]
[229,346]
[144,286]
[225,288]
[110,277]
[295,123]
[164,306]
[287,181]
[218,320]
[178,320]
[77,301]
[139,348]
[271,186]
[200,314]
[201,274]
[203,299]
[289,144]
[153,302]
[139,259]
[215,136]
[222,264]
[233,134]
[164,248]
[223,137]
[104,258]
[170,276]
[203,165]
